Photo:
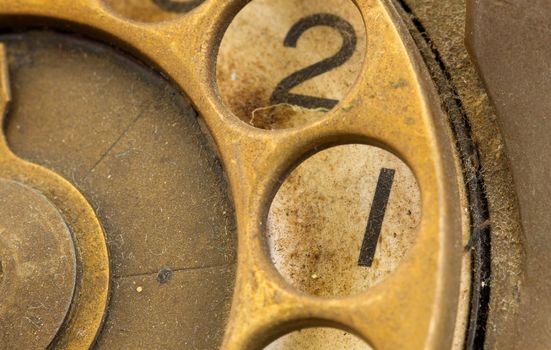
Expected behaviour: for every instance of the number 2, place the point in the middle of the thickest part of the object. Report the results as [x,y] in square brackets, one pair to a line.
[281,93]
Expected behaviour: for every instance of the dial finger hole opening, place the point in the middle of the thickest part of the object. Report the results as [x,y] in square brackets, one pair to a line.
[319,338]
[343,220]
[152,11]
[285,63]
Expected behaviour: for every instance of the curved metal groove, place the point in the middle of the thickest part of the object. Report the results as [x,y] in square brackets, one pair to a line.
[480,241]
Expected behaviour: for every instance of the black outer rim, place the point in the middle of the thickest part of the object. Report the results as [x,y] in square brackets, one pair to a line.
[479,244]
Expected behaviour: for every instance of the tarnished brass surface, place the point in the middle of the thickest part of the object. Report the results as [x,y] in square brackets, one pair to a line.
[38,267]
[392,105]
[132,145]
[89,303]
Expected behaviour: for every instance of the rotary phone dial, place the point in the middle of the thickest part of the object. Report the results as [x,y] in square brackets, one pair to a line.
[270,174]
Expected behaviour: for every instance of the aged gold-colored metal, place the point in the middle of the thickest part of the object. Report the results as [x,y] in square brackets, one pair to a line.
[38,267]
[414,308]
[87,312]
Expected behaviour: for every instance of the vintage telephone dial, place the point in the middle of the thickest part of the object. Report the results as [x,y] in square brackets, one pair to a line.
[275,174]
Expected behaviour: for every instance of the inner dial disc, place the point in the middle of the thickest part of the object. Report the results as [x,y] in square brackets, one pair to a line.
[38,267]
[132,145]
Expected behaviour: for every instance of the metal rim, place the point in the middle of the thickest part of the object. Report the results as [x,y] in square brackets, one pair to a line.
[480,241]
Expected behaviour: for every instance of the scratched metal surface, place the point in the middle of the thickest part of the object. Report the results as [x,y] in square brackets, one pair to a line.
[131,143]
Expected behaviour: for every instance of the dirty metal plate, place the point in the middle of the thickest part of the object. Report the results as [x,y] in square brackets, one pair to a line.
[37,267]
[343,220]
[132,145]
[285,63]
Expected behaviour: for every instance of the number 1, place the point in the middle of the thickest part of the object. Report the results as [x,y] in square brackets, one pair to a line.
[376,217]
